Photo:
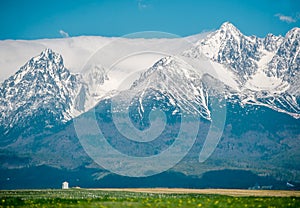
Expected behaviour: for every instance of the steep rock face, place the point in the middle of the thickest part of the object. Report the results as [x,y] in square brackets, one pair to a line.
[43,96]
[272,42]
[179,82]
[95,77]
[246,55]
[266,69]
[286,61]
[42,92]
[92,88]
[230,47]
[45,93]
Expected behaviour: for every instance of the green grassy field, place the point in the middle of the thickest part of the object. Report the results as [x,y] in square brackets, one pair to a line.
[115,199]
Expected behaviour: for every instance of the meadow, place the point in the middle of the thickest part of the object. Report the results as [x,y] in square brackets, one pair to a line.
[136,198]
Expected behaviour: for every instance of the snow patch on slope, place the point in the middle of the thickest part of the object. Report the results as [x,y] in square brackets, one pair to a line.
[261,82]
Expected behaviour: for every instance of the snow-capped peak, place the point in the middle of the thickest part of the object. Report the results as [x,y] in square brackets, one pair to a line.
[229,27]
[228,46]
[43,86]
[293,33]
[47,54]
[176,79]
[95,76]
[264,67]
[167,67]
[262,71]
[286,62]
[272,42]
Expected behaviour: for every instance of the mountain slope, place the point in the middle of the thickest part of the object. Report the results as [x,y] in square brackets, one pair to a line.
[176,79]
[258,77]
[230,47]
[39,95]
[266,69]
[286,61]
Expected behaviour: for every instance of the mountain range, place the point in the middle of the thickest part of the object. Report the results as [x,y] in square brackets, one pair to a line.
[257,79]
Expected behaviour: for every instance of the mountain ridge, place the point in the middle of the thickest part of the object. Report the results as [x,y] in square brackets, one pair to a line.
[77,93]
[261,65]
[39,102]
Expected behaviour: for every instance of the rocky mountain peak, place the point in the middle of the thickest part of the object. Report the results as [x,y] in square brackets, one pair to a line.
[286,61]
[228,27]
[293,33]
[272,42]
[43,86]
[179,82]
[228,46]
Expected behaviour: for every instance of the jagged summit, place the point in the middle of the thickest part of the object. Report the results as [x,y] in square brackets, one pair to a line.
[265,68]
[293,33]
[228,31]
[165,61]
[230,47]
[166,67]
[42,88]
[46,62]
[176,79]
[169,68]
[228,27]
[49,54]
[264,71]
[257,78]
[272,42]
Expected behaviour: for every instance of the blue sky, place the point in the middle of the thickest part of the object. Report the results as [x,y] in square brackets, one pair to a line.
[34,19]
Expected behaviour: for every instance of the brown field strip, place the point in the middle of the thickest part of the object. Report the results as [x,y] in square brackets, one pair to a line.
[229,192]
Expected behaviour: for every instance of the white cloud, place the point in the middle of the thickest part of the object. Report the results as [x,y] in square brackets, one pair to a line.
[284,18]
[142,4]
[64,34]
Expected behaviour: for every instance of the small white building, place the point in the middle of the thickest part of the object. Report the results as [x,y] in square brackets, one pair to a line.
[65,185]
